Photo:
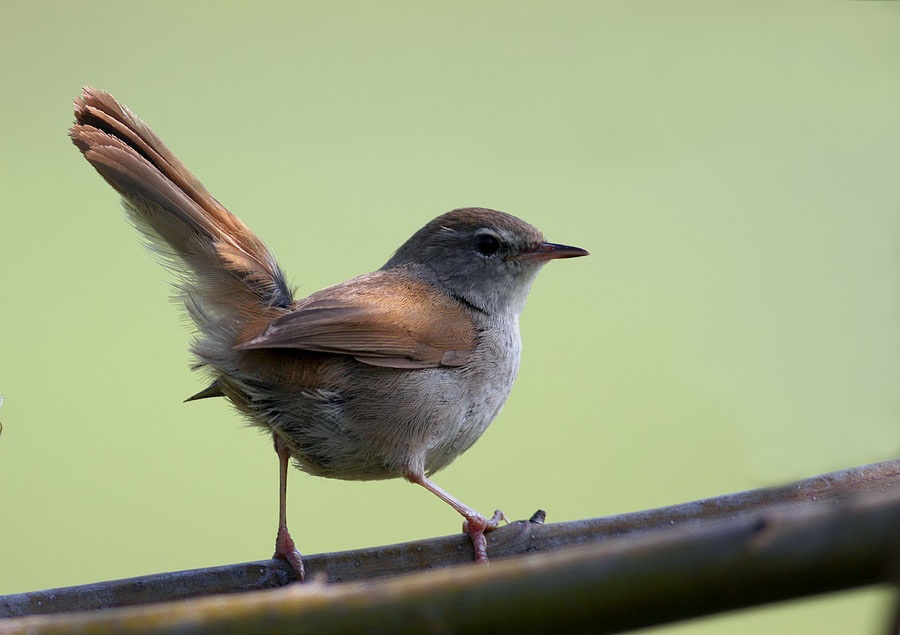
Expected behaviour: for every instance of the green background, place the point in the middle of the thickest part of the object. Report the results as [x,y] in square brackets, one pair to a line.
[733,168]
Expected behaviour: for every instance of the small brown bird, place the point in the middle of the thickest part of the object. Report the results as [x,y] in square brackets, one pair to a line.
[394,373]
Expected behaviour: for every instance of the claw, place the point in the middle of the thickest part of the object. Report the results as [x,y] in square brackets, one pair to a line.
[477,526]
[286,550]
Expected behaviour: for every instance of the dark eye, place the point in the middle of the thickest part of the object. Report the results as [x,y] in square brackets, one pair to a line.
[487,244]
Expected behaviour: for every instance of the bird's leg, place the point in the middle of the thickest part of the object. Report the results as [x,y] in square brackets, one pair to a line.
[475,524]
[284,544]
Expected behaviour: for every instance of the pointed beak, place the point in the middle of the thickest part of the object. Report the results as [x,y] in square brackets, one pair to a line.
[551,251]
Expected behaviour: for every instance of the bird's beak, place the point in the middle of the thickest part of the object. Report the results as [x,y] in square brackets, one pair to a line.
[550,251]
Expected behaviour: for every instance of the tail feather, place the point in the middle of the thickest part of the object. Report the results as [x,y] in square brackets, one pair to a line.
[225,271]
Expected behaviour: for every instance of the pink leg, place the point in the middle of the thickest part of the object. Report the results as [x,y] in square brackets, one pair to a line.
[475,524]
[284,544]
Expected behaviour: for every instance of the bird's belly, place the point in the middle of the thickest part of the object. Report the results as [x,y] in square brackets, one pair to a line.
[366,423]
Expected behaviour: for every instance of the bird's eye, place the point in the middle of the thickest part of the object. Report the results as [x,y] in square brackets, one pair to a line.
[486,244]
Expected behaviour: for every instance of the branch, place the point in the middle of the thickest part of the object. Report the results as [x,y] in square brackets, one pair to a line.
[835,531]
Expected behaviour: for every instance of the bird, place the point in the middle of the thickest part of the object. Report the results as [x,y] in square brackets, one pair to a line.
[391,374]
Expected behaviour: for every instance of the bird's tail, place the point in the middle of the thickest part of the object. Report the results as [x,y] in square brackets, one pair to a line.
[227,275]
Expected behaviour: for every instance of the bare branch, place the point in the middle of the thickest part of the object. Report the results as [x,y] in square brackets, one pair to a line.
[835,531]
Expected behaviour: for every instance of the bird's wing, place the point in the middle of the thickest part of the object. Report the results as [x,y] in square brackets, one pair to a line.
[381,319]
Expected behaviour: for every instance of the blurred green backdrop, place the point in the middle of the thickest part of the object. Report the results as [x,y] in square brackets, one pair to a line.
[733,168]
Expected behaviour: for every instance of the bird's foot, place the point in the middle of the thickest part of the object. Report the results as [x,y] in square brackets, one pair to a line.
[477,526]
[286,550]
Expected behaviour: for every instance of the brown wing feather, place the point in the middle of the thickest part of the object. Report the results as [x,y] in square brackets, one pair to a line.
[382,319]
